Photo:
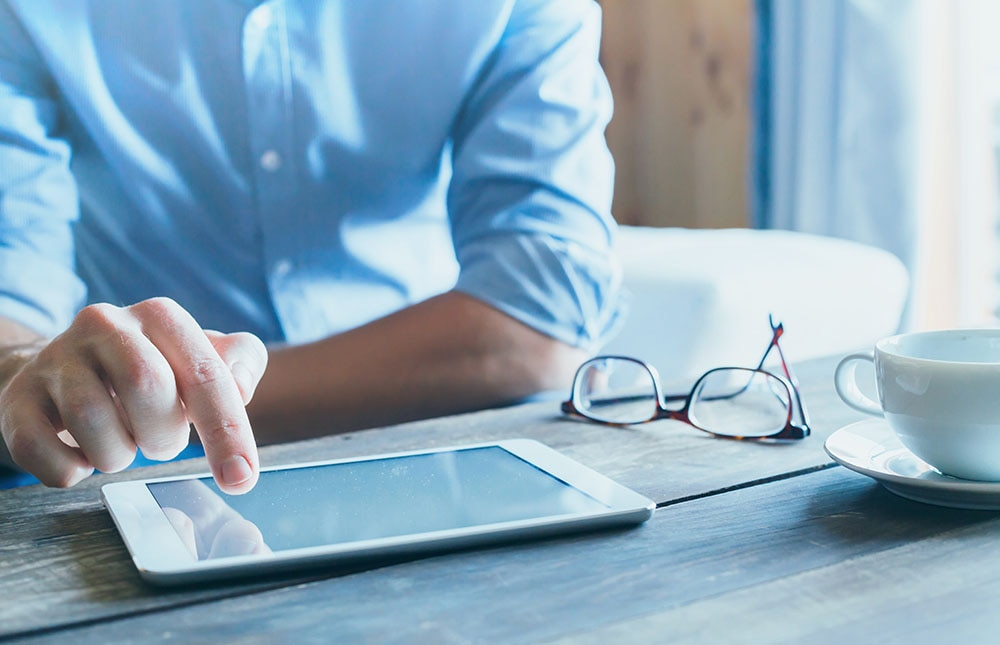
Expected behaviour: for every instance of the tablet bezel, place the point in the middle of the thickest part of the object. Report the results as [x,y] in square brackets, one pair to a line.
[161,557]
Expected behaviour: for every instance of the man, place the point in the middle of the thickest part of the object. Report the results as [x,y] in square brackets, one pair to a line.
[407,201]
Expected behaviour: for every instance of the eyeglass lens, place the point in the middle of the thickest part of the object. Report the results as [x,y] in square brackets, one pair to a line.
[740,402]
[616,390]
[727,401]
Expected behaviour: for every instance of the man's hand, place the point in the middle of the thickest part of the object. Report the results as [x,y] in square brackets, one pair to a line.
[135,376]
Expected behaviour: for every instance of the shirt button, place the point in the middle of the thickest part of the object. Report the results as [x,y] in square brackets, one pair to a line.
[282,268]
[271,161]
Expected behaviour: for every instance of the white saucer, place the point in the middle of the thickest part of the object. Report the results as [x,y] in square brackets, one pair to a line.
[871,448]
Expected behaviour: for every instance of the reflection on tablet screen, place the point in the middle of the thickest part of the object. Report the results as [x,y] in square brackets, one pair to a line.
[365,500]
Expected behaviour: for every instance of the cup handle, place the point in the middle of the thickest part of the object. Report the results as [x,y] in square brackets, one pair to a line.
[845,380]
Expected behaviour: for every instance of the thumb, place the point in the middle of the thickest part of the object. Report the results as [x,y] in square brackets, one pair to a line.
[246,357]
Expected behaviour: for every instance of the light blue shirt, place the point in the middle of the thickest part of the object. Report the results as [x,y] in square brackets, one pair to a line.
[298,168]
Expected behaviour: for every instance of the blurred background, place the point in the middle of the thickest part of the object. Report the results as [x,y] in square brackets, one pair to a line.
[871,120]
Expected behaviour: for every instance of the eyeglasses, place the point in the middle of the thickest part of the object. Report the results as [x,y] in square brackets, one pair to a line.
[726,402]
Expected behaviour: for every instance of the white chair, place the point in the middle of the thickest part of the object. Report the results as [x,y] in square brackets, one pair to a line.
[701,298]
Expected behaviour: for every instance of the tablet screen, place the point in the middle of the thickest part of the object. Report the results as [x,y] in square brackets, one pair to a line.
[364,500]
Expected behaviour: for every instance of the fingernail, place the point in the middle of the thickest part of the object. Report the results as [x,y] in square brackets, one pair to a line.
[244,380]
[236,470]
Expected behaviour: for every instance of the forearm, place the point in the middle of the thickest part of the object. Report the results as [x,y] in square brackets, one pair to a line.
[449,354]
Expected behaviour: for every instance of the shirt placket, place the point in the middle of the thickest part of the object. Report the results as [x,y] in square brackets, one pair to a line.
[267,73]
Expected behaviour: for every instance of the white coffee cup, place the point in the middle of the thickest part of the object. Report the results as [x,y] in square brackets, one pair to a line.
[940,394]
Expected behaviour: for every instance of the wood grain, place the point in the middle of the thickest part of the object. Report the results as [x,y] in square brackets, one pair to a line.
[940,588]
[60,549]
[743,545]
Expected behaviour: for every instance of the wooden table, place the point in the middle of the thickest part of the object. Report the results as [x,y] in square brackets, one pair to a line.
[751,543]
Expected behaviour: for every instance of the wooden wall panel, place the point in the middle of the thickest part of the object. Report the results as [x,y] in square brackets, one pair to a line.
[680,74]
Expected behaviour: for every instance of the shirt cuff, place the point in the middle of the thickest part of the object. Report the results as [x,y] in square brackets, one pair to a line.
[558,287]
[38,295]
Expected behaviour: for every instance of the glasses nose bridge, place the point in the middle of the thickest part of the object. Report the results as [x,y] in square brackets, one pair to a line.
[673,403]
[681,414]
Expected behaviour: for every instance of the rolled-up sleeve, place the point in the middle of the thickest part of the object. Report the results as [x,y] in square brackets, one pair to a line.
[530,198]
[38,198]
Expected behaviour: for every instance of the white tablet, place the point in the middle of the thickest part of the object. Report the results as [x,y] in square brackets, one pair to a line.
[184,529]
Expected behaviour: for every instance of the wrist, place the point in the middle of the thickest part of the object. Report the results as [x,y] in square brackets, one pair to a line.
[14,357]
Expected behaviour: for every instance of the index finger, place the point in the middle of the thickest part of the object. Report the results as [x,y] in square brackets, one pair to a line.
[208,390]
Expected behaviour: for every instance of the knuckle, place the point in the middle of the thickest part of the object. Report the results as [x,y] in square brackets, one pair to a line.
[162,452]
[59,479]
[205,371]
[114,461]
[26,450]
[76,406]
[160,307]
[222,430]
[18,389]
[162,446]
[26,432]
[98,317]
[96,325]
[20,445]
[91,425]
[149,379]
